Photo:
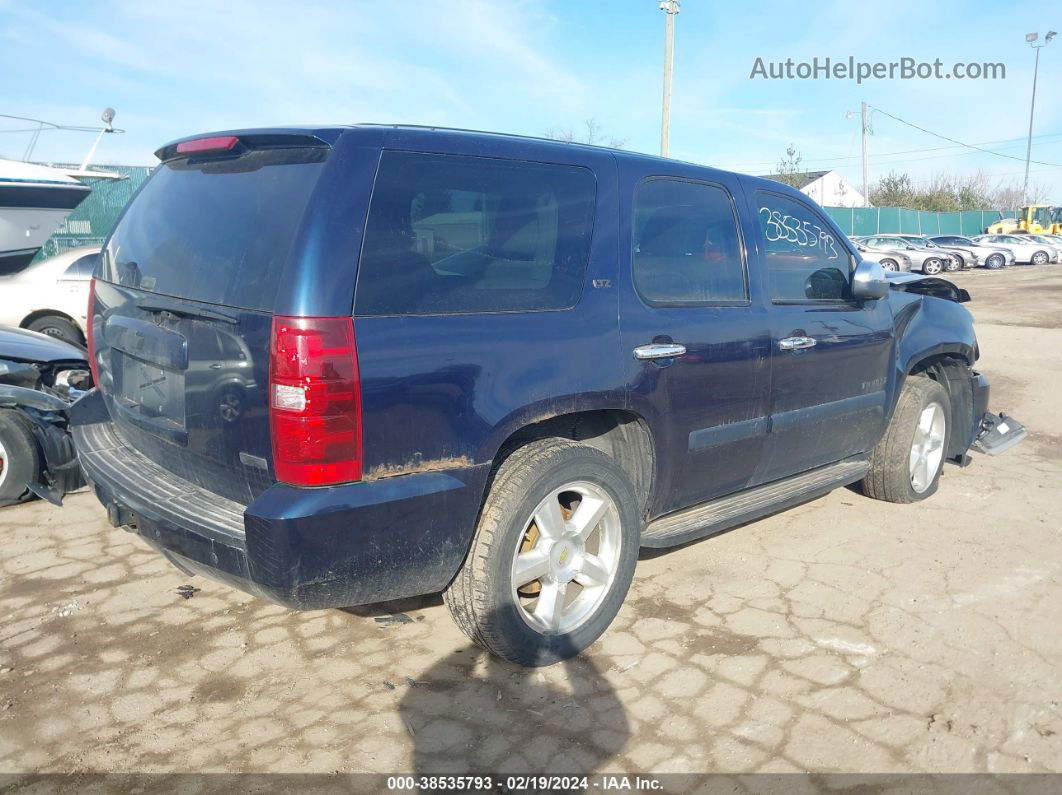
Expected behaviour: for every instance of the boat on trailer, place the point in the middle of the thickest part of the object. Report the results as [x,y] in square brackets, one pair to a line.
[34,202]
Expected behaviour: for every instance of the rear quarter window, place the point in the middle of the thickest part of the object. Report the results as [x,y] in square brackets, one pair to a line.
[454,234]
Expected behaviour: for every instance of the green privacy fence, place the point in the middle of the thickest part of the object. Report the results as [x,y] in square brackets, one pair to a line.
[92,220]
[896,220]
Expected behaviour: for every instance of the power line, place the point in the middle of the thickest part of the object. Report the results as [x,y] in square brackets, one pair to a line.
[960,143]
[1020,142]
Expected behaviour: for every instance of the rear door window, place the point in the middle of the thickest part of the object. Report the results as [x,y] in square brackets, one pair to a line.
[216,230]
[687,248]
[454,234]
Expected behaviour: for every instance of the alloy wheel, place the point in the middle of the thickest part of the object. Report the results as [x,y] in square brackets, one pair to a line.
[567,558]
[927,447]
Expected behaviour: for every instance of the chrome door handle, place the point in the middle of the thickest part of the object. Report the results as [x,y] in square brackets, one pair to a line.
[659,350]
[796,343]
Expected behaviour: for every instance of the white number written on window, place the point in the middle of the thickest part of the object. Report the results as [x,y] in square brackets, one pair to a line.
[778,226]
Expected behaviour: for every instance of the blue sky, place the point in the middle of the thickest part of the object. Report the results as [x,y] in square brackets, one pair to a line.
[180,67]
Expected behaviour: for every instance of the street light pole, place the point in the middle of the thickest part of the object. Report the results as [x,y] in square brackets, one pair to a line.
[670,8]
[1031,38]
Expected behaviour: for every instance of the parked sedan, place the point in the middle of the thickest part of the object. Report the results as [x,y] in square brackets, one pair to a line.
[930,261]
[992,257]
[889,260]
[51,296]
[1054,241]
[962,259]
[1025,249]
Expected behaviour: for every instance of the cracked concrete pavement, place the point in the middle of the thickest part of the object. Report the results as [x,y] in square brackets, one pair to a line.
[843,635]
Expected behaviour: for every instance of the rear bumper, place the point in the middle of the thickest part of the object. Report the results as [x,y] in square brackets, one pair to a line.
[303,548]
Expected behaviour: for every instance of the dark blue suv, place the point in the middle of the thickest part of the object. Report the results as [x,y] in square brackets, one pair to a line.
[342,365]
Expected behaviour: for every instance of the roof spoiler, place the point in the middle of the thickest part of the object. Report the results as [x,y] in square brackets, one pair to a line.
[237,143]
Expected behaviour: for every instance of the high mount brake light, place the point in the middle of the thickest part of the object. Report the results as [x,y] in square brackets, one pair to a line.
[315,401]
[221,143]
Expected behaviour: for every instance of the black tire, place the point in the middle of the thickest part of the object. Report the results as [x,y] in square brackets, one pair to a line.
[1040,258]
[995,261]
[889,264]
[60,328]
[932,266]
[21,459]
[953,266]
[481,597]
[890,478]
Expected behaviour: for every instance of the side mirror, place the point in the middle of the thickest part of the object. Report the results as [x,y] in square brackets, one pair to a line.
[868,281]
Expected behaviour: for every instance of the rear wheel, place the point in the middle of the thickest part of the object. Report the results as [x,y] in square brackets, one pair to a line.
[1040,258]
[932,266]
[58,327]
[553,554]
[995,261]
[20,459]
[907,462]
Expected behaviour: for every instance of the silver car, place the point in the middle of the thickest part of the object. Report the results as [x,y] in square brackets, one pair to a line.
[991,257]
[962,258]
[929,261]
[1051,240]
[1025,247]
[889,260]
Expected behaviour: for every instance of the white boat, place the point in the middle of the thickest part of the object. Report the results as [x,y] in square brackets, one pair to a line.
[34,202]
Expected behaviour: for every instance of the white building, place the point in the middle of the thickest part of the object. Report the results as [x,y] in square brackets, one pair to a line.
[828,188]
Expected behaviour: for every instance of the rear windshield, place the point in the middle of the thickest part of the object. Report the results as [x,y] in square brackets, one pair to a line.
[454,234]
[217,231]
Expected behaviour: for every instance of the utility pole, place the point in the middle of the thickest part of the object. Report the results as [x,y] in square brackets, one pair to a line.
[670,8]
[1031,38]
[866,186]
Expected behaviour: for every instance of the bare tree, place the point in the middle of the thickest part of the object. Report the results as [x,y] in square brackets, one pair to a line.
[1009,195]
[592,133]
[789,170]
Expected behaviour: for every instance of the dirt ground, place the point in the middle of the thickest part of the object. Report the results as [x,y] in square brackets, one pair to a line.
[843,635]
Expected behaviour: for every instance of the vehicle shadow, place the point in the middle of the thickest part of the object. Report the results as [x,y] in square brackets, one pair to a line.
[470,712]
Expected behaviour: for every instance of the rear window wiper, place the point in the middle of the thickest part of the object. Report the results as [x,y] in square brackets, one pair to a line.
[159,304]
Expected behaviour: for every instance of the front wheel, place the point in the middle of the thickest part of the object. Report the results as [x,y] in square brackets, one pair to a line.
[889,265]
[932,266]
[995,262]
[954,264]
[1040,258]
[60,328]
[553,554]
[20,460]
[906,464]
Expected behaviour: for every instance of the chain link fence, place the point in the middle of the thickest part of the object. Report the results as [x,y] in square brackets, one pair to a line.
[900,221]
[92,220]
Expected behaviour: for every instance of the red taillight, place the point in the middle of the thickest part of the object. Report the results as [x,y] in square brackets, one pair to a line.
[90,337]
[221,143]
[315,401]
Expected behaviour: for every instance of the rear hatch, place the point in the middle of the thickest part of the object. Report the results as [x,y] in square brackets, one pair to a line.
[184,301]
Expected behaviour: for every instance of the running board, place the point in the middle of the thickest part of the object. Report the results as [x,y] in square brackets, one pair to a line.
[726,512]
